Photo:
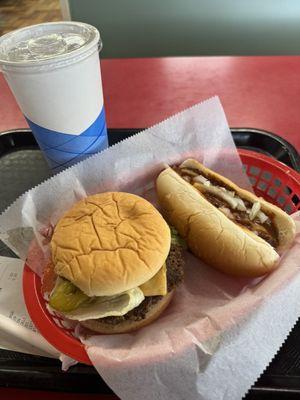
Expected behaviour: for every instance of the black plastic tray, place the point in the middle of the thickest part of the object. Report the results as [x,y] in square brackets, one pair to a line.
[21,167]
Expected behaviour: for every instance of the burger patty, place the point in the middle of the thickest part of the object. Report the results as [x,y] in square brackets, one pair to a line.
[175,266]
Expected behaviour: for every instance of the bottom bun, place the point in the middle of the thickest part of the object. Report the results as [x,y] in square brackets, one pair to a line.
[97,325]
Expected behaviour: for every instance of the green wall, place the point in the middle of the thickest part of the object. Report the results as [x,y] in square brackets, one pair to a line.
[140,28]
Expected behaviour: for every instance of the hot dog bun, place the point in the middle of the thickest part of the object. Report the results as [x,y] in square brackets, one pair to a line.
[212,236]
[284,223]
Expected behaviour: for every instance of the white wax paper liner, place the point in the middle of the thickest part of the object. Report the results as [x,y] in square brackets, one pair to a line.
[205,348]
[205,306]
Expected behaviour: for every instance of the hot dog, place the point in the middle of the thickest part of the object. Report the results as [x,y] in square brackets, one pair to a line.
[227,227]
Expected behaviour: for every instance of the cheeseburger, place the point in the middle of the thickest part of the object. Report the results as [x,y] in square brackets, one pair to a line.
[227,227]
[115,264]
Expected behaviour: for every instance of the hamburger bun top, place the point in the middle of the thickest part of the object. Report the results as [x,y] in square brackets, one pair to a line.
[109,243]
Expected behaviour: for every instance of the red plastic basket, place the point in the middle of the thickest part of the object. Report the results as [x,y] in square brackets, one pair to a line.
[270,179]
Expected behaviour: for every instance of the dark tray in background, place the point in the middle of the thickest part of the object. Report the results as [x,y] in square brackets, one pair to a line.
[21,167]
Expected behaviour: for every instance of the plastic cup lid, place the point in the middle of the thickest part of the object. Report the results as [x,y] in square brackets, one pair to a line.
[48,43]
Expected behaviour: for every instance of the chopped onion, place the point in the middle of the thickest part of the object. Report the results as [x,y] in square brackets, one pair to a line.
[223,195]
[254,210]
[200,179]
[241,205]
[262,217]
[230,192]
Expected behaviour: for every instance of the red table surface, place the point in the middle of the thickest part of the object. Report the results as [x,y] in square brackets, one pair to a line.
[258,92]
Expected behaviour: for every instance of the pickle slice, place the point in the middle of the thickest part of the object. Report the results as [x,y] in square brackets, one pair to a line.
[67,297]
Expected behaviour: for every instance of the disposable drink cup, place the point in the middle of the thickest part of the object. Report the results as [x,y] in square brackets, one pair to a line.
[53,70]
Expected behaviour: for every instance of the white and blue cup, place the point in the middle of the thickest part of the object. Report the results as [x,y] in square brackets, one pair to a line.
[53,70]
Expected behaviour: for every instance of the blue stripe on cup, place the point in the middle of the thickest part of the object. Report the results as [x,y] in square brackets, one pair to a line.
[62,150]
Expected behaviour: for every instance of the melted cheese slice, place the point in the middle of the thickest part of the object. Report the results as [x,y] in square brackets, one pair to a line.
[107,306]
[156,286]
[112,306]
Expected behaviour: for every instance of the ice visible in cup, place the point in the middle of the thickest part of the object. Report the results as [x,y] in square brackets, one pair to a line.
[53,70]
[45,47]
